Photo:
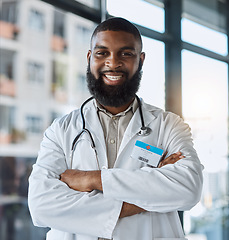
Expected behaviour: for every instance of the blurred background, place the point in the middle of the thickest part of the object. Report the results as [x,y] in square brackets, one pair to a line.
[43,48]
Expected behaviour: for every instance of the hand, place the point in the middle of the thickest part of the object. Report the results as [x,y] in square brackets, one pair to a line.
[130,210]
[171,159]
[82,181]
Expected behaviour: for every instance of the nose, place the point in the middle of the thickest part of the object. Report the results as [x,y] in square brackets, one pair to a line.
[113,62]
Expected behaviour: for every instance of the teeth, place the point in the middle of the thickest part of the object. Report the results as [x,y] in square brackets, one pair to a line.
[113,78]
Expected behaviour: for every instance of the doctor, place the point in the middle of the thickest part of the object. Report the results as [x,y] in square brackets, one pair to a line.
[105,191]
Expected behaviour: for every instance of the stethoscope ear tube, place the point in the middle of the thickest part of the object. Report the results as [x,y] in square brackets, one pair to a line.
[92,145]
[81,111]
[144,131]
[83,123]
[79,135]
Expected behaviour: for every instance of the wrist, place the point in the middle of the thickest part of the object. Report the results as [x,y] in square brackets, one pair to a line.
[95,179]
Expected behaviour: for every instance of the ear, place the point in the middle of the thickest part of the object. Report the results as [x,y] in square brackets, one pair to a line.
[142,57]
[88,56]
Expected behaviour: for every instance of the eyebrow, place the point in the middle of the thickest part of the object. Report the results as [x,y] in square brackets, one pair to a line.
[100,47]
[123,48]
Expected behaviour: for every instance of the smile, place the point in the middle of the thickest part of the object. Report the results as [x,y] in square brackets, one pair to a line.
[114,77]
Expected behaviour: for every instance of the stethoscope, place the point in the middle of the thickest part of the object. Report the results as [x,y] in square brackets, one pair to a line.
[144,131]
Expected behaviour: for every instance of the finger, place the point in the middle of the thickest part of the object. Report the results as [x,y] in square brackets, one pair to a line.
[160,165]
[61,177]
[171,159]
[164,155]
[174,155]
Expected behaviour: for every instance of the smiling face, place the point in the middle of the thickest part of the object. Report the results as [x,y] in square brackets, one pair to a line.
[115,59]
[115,55]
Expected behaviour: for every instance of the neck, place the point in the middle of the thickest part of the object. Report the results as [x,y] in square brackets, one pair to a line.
[116,110]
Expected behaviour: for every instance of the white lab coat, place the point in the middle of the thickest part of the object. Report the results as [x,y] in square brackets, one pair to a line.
[73,215]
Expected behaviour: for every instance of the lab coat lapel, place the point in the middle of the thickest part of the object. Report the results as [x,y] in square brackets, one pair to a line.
[135,124]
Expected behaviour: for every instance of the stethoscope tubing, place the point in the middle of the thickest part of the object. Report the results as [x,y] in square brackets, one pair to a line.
[144,131]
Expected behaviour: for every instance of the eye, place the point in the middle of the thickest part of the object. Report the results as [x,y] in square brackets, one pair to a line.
[127,54]
[101,53]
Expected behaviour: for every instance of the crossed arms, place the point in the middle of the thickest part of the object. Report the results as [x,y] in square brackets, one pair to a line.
[87,181]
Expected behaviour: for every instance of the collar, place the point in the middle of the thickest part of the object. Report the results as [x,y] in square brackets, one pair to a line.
[132,107]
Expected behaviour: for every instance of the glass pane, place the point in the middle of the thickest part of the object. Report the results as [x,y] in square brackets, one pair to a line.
[204,37]
[15,222]
[42,76]
[211,14]
[205,109]
[139,11]
[90,3]
[152,87]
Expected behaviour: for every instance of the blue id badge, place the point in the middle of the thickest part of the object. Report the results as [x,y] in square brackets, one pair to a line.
[147,153]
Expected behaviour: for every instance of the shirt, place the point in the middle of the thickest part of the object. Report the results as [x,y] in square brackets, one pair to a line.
[114,127]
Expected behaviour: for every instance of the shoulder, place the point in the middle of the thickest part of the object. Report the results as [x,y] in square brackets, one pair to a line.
[160,113]
[165,119]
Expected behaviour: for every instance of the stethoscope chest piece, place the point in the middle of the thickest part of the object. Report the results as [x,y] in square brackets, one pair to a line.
[144,131]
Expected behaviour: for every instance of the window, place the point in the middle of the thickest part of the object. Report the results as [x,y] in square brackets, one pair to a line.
[8,12]
[59,81]
[59,18]
[6,119]
[91,3]
[36,20]
[6,64]
[83,33]
[202,36]
[47,48]
[141,12]
[205,106]
[34,124]
[152,86]
[35,72]
[15,218]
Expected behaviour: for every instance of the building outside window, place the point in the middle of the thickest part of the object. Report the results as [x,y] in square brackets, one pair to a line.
[7,124]
[8,11]
[34,124]
[59,43]
[59,79]
[7,78]
[205,108]
[36,20]
[83,33]
[202,79]
[35,72]
[58,28]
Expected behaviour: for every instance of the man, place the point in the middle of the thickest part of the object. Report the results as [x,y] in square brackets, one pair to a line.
[109,193]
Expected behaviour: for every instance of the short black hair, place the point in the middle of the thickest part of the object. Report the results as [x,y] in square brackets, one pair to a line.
[118,24]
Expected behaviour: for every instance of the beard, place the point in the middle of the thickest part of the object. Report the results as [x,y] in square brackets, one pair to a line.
[114,96]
